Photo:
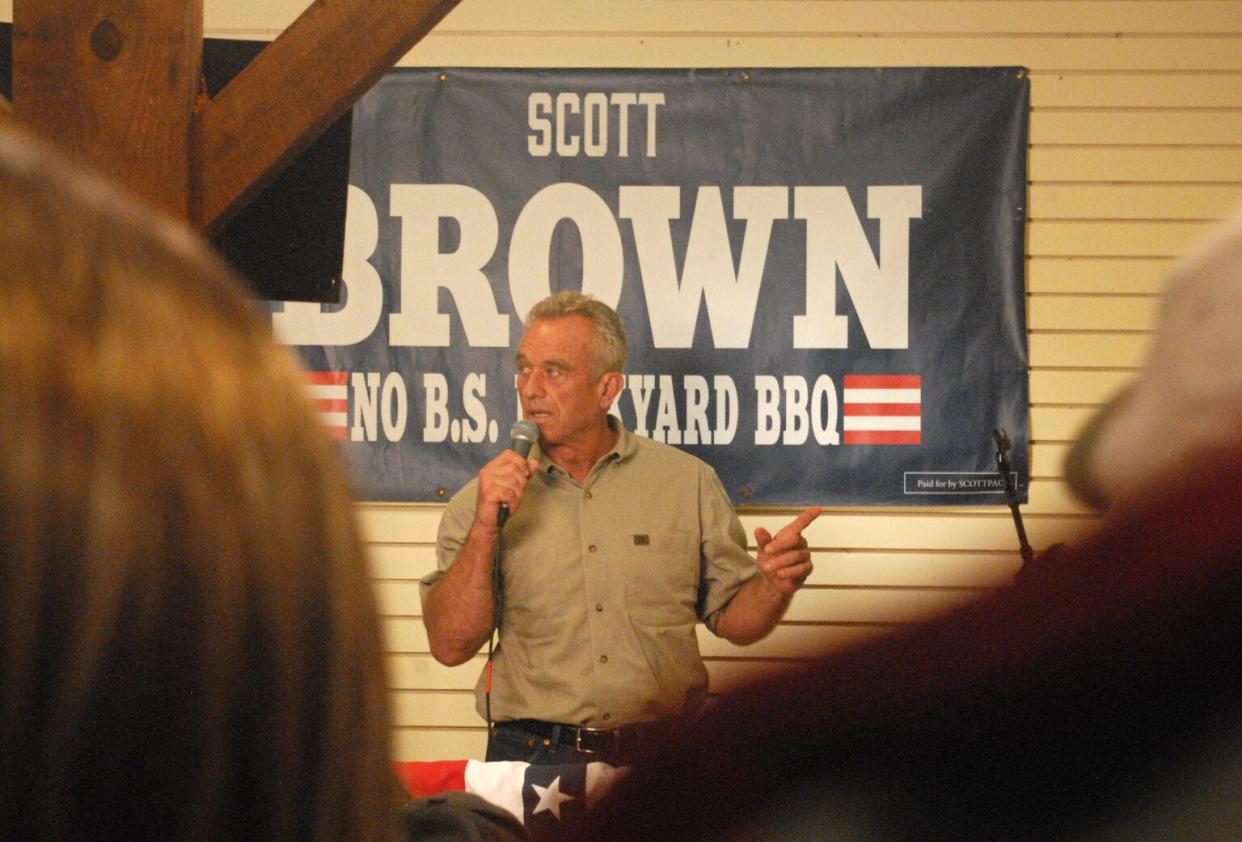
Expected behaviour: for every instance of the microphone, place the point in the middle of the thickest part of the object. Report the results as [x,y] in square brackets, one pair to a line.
[522,436]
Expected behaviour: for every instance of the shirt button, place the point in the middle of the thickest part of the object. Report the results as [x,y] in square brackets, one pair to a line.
[607,716]
[603,659]
[599,606]
[591,548]
[588,495]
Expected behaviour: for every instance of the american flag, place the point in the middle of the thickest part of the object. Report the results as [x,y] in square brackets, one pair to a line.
[883,409]
[330,392]
[548,800]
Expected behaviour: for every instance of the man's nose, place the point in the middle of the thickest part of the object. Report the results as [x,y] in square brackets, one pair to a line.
[532,383]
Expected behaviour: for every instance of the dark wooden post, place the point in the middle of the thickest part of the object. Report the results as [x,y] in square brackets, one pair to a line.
[114,81]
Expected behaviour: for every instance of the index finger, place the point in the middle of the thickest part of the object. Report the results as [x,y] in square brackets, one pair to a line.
[805,519]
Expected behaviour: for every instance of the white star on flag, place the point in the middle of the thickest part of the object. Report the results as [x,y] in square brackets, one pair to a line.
[550,798]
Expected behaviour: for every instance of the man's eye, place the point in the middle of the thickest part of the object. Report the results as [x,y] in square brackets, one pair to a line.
[553,371]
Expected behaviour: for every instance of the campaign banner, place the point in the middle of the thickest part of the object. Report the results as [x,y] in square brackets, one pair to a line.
[820,272]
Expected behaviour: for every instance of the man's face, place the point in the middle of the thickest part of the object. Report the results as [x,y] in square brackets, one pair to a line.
[554,380]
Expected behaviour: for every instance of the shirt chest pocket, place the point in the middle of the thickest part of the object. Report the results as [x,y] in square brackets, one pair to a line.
[662,575]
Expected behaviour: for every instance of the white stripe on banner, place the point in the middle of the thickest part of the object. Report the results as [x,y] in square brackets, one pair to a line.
[328,391]
[881,422]
[882,395]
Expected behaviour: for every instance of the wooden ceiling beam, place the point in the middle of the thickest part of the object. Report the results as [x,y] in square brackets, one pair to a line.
[118,82]
[293,90]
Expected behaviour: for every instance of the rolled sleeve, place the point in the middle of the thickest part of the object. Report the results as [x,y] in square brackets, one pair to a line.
[727,563]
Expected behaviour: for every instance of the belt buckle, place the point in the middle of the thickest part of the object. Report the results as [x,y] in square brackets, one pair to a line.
[591,732]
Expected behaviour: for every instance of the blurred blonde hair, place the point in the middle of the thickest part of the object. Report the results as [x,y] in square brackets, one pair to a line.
[189,645]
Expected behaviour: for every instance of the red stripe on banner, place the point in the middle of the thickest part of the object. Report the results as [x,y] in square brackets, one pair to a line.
[329,405]
[883,437]
[337,433]
[883,381]
[427,777]
[327,378]
[882,409]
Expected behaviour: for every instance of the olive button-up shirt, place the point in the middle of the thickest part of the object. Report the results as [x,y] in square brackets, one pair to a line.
[603,583]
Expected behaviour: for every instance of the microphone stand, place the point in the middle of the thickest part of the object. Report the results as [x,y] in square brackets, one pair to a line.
[1011,492]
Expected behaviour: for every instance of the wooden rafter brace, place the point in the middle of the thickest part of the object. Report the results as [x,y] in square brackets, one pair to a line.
[118,81]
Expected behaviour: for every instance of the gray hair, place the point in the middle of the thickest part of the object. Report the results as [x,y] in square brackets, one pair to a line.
[610,343]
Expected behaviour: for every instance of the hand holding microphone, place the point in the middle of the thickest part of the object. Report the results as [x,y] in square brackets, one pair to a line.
[522,437]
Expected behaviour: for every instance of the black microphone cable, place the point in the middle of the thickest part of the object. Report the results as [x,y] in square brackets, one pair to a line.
[522,436]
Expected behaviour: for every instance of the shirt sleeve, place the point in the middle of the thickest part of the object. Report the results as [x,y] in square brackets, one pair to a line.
[454,524]
[726,562]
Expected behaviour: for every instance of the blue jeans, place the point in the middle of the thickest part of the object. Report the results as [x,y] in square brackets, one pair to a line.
[510,742]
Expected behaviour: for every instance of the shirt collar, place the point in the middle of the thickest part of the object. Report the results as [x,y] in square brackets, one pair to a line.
[627,442]
[625,447]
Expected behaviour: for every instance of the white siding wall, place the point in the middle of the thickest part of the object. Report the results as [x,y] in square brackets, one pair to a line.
[1136,147]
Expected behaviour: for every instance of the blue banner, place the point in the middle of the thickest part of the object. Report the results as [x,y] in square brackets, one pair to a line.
[820,271]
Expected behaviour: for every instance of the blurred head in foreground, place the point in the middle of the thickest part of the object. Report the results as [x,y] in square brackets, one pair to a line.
[1185,403]
[189,647]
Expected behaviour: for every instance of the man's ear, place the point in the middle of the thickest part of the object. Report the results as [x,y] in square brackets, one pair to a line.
[610,385]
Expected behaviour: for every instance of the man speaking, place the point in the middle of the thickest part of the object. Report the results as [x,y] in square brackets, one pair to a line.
[614,546]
